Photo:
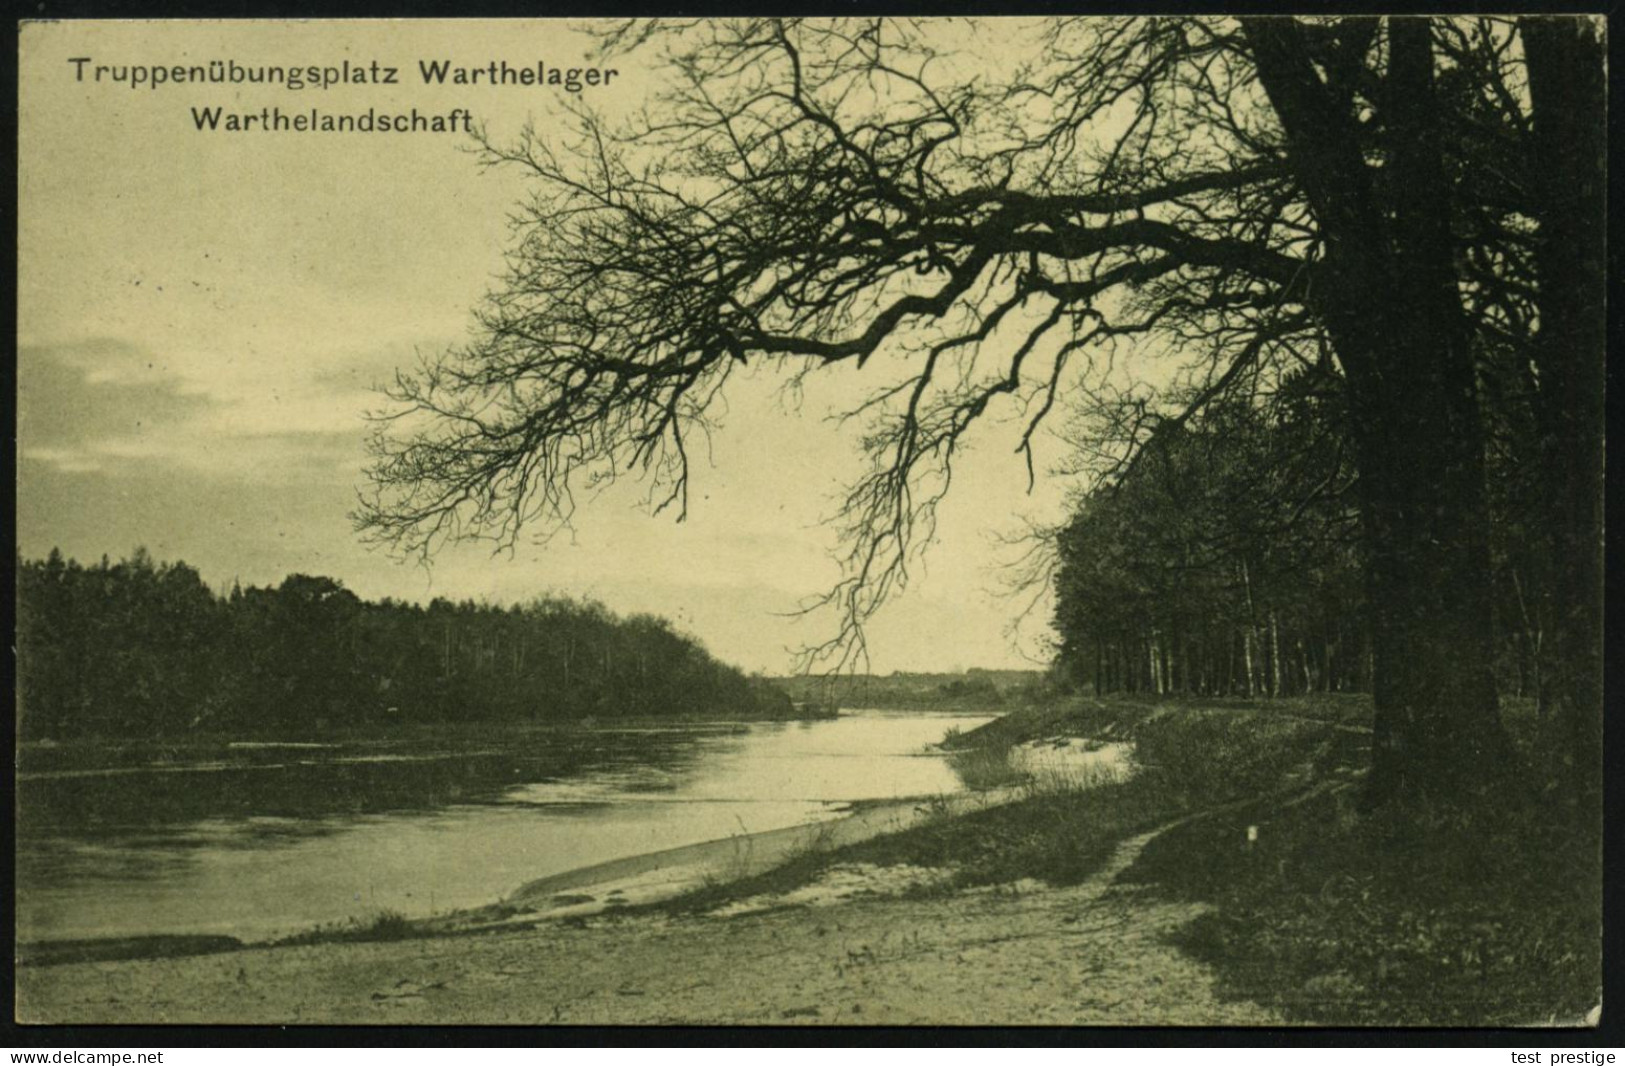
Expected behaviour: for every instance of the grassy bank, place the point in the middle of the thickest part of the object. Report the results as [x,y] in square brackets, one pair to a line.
[1062,826]
[1316,908]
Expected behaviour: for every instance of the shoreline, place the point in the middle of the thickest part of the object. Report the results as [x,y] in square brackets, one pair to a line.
[90,935]
[655,877]
[1192,892]
[1079,955]
[643,879]
[635,881]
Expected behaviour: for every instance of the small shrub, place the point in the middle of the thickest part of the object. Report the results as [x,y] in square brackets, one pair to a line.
[1052,780]
[385,925]
[820,841]
[985,767]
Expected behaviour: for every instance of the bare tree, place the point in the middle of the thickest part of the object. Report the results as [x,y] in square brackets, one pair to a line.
[1228,194]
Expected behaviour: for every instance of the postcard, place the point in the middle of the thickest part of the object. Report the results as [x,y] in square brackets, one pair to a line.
[1066,520]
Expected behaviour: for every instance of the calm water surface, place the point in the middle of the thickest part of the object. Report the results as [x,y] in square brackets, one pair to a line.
[256,840]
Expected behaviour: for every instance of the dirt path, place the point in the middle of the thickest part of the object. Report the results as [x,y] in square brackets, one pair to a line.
[1096,953]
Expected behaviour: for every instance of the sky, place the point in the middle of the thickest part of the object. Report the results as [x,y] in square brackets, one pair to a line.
[204,318]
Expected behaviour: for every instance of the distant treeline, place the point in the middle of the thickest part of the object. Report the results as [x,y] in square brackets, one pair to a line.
[974,689]
[142,648]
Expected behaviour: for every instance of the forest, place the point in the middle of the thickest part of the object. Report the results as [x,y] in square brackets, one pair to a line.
[141,648]
[1228,562]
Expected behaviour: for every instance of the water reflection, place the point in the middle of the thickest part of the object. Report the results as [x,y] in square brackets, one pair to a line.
[257,839]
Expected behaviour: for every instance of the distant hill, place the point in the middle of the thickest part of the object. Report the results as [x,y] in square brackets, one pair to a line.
[972,689]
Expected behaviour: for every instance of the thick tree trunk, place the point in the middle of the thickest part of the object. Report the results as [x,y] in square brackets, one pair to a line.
[1386,293]
[1438,734]
[1568,91]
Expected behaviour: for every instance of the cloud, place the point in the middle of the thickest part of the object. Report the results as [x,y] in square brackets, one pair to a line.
[107,405]
[72,398]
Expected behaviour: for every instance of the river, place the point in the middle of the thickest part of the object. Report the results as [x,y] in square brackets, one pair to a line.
[257,840]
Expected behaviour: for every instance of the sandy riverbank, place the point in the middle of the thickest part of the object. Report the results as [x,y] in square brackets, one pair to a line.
[653,877]
[1204,889]
[661,875]
[854,953]
[642,879]
[859,944]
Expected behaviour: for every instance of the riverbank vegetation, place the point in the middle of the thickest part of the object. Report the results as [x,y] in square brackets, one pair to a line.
[1316,907]
[140,648]
[1061,827]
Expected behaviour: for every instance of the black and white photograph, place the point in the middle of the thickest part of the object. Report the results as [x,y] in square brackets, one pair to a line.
[1059,520]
